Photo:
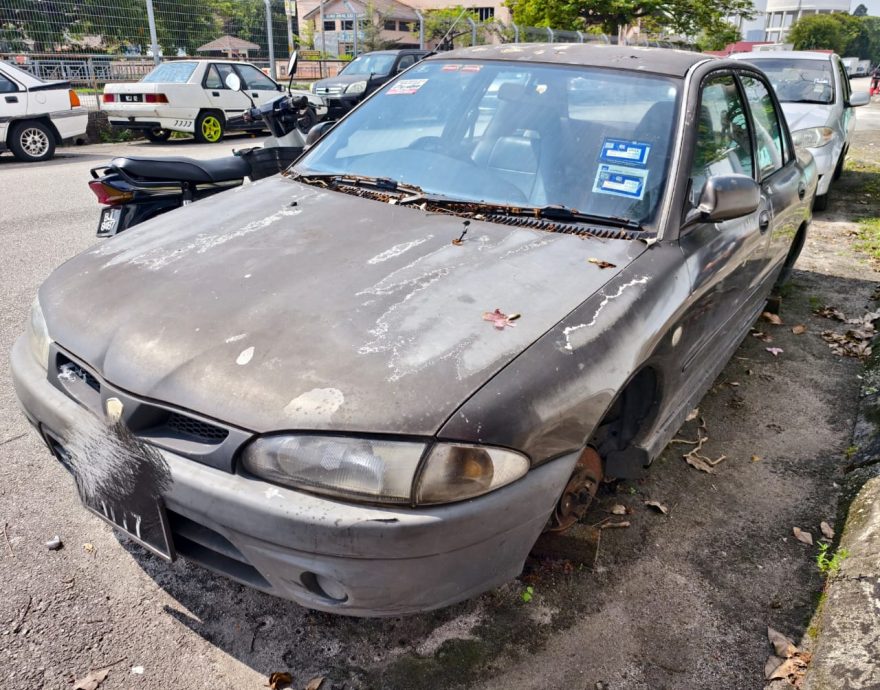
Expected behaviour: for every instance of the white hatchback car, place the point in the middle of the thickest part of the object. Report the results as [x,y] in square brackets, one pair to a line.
[191,96]
[818,103]
[37,115]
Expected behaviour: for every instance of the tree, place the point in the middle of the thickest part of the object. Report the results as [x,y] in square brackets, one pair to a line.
[688,17]
[371,30]
[718,37]
[450,23]
[821,31]
[860,11]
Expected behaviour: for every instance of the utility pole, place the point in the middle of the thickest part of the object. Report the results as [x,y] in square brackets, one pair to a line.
[270,39]
[153,39]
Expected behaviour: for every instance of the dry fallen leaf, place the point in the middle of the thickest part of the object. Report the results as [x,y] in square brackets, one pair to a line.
[772,663]
[775,351]
[499,319]
[782,646]
[756,458]
[772,318]
[89,547]
[656,505]
[763,337]
[830,313]
[618,509]
[693,414]
[92,680]
[601,264]
[827,530]
[799,329]
[279,680]
[457,242]
[611,525]
[315,683]
[802,536]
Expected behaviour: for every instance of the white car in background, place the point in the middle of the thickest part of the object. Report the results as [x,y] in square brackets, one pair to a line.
[37,115]
[191,96]
[814,91]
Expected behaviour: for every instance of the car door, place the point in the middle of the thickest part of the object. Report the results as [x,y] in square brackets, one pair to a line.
[841,108]
[230,102]
[257,85]
[725,260]
[782,185]
[13,103]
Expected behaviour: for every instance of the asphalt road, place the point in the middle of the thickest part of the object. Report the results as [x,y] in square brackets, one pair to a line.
[676,601]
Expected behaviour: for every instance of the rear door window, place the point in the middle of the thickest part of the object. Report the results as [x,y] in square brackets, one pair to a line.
[769,138]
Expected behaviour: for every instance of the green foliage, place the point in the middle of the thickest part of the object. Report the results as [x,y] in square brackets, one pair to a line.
[438,24]
[860,11]
[868,239]
[847,35]
[371,29]
[829,565]
[719,36]
[527,595]
[688,17]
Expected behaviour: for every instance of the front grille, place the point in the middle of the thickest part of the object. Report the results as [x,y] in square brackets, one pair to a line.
[68,370]
[204,546]
[329,90]
[195,428]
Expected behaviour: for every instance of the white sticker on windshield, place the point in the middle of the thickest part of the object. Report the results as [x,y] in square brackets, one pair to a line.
[620,180]
[406,87]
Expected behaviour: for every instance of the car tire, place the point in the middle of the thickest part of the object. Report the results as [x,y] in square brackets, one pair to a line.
[32,141]
[210,126]
[793,253]
[838,170]
[820,201]
[157,135]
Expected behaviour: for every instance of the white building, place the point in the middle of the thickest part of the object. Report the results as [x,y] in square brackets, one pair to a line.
[781,14]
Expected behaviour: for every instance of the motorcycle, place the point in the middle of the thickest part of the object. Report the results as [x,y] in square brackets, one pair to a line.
[133,190]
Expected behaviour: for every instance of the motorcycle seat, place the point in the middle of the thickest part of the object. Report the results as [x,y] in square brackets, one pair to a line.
[176,168]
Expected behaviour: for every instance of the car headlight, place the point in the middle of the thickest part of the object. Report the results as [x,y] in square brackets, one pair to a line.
[382,471]
[38,334]
[812,137]
[312,86]
[356,87]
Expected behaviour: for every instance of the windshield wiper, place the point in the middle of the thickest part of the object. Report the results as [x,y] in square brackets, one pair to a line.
[385,184]
[565,214]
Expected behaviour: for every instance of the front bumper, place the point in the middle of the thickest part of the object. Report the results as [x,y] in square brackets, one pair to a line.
[327,554]
[826,160]
[337,106]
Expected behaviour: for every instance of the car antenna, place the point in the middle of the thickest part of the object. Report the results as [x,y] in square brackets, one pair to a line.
[442,41]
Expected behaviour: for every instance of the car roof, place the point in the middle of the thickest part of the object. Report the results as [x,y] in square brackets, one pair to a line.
[665,61]
[784,54]
[394,52]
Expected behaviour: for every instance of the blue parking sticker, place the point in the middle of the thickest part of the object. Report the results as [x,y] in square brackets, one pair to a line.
[625,152]
[620,180]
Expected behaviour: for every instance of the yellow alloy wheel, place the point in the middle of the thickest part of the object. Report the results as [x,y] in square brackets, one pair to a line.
[210,128]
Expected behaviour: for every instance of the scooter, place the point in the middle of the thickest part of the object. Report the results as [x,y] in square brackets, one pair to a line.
[133,190]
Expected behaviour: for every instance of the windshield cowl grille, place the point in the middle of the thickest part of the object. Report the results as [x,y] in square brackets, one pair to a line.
[580,229]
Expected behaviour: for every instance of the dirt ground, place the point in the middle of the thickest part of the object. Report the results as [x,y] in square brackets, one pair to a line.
[675,601]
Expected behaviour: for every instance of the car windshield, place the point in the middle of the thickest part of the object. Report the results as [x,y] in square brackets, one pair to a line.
[594,140]
[799,81]
[369,64]
[171,73]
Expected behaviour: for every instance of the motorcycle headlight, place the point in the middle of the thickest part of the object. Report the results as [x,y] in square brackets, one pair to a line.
[356,87]
[38,335]
[382,471]
[812,137]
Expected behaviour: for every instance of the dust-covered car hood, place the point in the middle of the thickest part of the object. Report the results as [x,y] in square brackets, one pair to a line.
[284,306]
[804,115]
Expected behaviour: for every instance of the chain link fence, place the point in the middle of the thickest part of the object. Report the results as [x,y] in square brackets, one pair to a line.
[92,42]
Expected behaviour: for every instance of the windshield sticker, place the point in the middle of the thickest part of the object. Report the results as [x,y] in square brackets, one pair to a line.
[620,180]
[451,68]
[406,87]
[471,68]
[626,152]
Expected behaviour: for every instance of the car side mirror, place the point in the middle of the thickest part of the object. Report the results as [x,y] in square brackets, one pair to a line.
[857,99]
[728,196]
[318,131]
[291,63]
[233,82]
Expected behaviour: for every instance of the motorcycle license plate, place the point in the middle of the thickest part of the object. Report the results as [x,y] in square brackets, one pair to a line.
[109,223]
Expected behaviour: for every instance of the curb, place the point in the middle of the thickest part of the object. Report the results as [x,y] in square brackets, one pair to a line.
[846,653]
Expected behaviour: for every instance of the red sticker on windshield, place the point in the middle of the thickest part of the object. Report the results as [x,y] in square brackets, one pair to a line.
[471,68]
[406,87]
[451,68]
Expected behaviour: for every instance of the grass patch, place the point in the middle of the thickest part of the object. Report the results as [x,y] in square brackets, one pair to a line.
[868,239]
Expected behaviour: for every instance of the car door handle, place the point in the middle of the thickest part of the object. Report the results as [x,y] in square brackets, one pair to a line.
[12,99]
[215,93]
[764,221]
[255,95]
[802,191]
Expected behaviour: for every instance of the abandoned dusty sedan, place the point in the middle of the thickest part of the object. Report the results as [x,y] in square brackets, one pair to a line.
[370,384]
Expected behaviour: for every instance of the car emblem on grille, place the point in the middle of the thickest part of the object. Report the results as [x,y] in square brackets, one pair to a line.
[114,409]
